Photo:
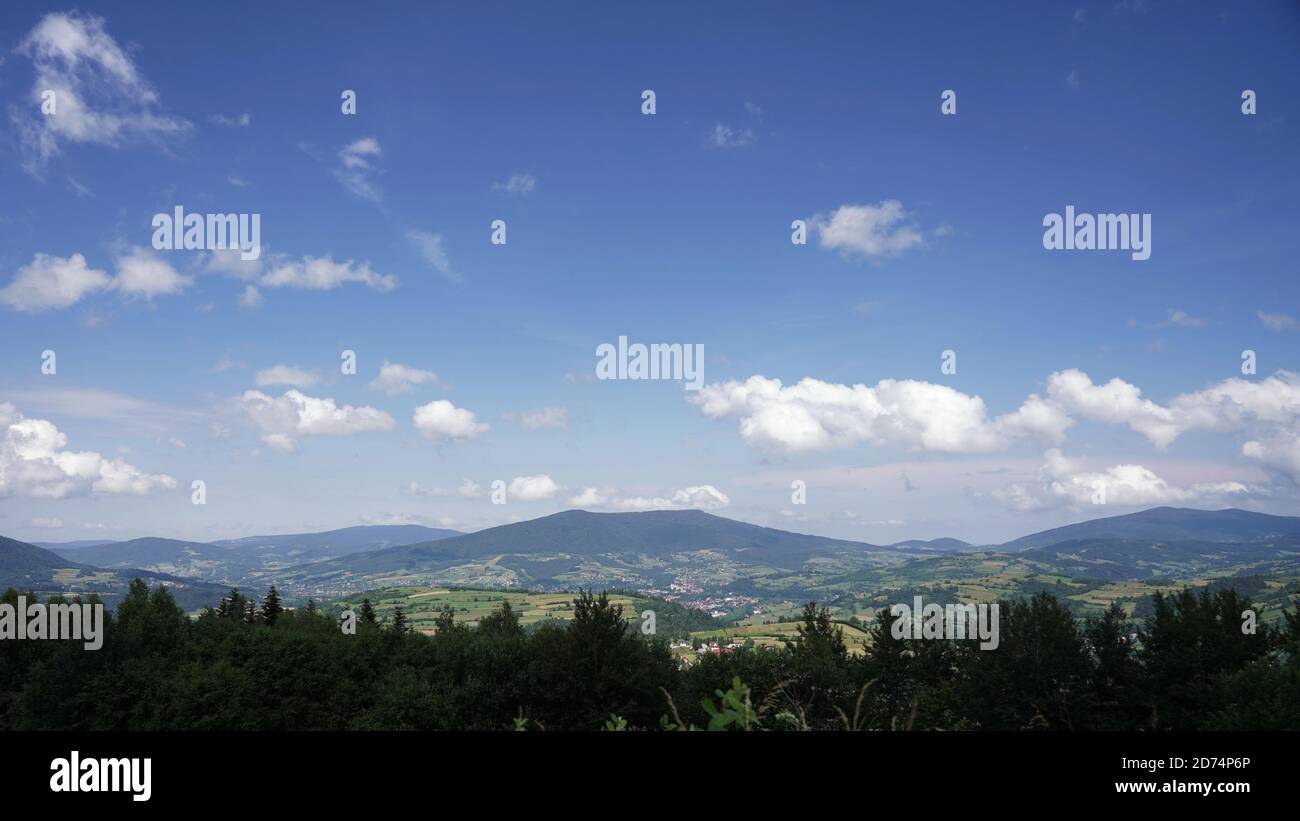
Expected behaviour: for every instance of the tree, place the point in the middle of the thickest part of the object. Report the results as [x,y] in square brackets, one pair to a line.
[501,622]
[232,605]
[399,620]
[271,608]
[250,612]
[367,612]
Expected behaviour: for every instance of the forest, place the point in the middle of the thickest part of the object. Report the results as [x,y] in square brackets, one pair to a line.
[256,665]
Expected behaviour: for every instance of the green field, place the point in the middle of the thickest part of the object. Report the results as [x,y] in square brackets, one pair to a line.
[423,604]
[774,635]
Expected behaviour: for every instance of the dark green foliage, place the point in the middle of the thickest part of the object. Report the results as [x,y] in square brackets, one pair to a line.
[1189,666]
[271,608]
[399,620]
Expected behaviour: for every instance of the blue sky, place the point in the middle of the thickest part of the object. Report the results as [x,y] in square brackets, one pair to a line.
[925,235]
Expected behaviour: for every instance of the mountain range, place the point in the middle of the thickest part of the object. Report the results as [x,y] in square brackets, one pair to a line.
[664,550]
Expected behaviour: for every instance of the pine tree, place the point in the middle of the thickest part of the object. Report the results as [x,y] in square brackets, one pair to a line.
[232,605]
[271,608]
[367,612]
[250,612]
[399,620]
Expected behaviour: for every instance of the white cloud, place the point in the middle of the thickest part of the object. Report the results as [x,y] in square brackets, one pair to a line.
[242,121]
[357,170]
[533,488]
[1178,318]
[144,273]
[287,375]
[543,418]
[1072,79]
[395,378]
[285,419]
[41,521]
[442,420]
[34,462]
[323,274]
[813,415]
[868,230]
[100,96]
[520,184]
[51,282]
[591,497]
[1279,451]
[726,137]
[431,248]
[250,297]
[1229,406]
[228,261]
[699,497]
[1278,322]
[417,489]
[469,489]
[1064,482]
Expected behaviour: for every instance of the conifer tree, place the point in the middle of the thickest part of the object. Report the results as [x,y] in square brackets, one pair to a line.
[271,608]
[367,612]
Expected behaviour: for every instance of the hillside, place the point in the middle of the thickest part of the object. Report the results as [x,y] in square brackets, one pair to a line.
[28,567]
[556,548]
[1170,524]
[248,560]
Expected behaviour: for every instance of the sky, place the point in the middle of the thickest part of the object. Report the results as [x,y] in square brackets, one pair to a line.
[922,365]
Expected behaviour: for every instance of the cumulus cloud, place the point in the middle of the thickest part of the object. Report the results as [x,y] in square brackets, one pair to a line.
[230,262]
[141,272]
[813,415]
[287,375]
[35,461]
[441,419]
[284,420]
[357,171]
[591,497]
[431,248]
[533,488]
[51,282]
[1229,406]
[469,489]
[868,230]
[323,274]
[395,378]
[698,497]
[100,96]
[520,184]
[1064,482]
